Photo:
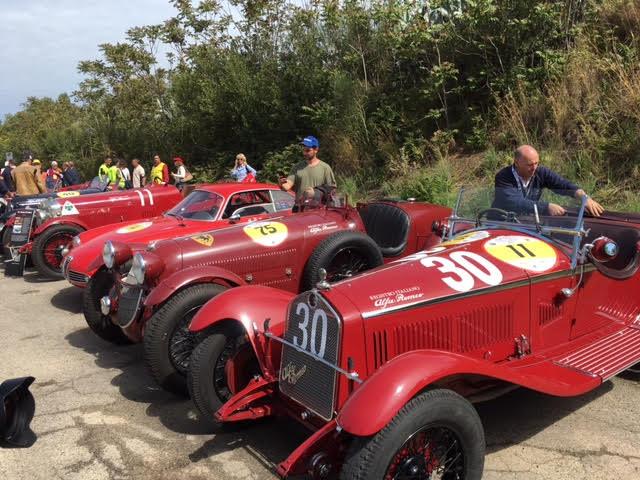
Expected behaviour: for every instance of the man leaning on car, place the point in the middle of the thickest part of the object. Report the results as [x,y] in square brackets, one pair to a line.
[519,186]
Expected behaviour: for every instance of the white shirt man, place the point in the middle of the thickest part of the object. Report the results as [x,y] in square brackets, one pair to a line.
[138,178]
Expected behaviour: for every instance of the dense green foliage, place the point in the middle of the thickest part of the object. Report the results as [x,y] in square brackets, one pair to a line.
[400,93]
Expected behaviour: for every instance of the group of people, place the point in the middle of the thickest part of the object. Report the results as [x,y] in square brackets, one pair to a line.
[518,187]
[119,175]
[29,179]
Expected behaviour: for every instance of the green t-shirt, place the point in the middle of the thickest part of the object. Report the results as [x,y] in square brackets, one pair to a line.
[303,176]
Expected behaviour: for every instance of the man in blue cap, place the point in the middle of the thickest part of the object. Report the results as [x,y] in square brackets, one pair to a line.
[309,173]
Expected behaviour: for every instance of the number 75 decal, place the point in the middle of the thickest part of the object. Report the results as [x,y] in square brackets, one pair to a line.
[462,269]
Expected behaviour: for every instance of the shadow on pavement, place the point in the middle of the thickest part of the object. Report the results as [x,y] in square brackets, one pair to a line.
[269,441]
[68,299]
[521,414]
[33,276]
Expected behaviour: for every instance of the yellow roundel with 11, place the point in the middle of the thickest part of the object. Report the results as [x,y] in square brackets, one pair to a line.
[527,253]
[268,234]
[136,227]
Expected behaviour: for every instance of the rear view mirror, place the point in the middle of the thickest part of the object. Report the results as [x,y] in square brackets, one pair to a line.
[17,407]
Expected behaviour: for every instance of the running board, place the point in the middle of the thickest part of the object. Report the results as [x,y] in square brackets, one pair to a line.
[606,357]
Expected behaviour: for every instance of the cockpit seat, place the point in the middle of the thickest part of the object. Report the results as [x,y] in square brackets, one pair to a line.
[388,225]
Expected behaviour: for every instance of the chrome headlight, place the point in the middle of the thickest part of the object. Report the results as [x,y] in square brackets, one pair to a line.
[42,214]
[75,241]
[55,209]
[108,254]
[138,269]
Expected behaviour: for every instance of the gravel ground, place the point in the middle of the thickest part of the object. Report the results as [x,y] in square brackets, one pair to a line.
[99,416]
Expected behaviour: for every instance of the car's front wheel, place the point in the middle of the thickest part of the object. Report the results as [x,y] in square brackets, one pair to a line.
[438,434]
[48,247]
[100,285]
[168,343]
[208,380]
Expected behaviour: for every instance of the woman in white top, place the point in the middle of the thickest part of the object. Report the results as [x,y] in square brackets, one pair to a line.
[181,173]
[125,175]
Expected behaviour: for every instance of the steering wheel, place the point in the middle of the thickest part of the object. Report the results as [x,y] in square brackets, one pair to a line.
[504,215]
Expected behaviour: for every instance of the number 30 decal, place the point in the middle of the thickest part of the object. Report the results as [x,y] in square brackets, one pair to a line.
[318,315]
[464,268]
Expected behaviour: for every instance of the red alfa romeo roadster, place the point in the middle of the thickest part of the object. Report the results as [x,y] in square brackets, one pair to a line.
[153,295]
[384,367]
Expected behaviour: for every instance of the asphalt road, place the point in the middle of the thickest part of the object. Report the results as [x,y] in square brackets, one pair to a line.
[99,416]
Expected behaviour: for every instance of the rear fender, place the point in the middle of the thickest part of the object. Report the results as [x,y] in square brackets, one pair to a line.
[189,276]
[60,221]
[250,306]
[374,404]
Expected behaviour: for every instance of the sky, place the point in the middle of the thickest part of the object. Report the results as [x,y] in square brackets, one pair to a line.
[42,41]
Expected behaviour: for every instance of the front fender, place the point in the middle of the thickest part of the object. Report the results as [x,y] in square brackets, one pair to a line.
[374,404]
[76,222]
[182,278]
[249,306]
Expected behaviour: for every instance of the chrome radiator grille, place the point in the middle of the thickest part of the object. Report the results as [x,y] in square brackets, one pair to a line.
[313,326]
[77,277]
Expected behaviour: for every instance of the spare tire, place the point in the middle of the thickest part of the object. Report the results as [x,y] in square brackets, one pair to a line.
[342,255]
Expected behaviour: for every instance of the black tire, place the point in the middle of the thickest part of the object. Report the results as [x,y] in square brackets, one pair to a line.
[634,369]
[440,420]
[341,255]
[99,286]
[43,253]
[6,239]
[206,380]
[167,361]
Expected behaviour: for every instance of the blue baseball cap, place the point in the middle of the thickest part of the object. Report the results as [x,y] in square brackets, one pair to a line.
[310,141]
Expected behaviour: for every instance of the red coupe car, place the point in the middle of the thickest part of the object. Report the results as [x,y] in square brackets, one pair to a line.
[384,367]
[208,207]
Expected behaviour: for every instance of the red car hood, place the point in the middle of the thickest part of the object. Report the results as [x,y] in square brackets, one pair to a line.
[137,234]
[471,264]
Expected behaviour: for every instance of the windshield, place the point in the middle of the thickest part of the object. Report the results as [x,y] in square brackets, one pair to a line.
[479,207]
[198,205]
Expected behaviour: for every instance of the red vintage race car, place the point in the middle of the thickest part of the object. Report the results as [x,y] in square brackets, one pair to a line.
[58,220]
[206,208]
[154,297]
[384,367]
[23,202]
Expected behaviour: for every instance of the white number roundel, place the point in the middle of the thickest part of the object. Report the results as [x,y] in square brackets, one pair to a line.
[463,269]
[318,316]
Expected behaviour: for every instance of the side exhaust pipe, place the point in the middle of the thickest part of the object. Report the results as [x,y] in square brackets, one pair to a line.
[17,407]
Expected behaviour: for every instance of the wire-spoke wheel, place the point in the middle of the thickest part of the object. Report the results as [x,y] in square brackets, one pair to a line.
[183,342]
[342,255]
[48,247]
[222,364]
[346,263]
[433,453]
[168,343]
[436,435]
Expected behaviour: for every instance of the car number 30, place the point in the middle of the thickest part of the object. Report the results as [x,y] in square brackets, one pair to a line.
[309,339]
[464,268]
